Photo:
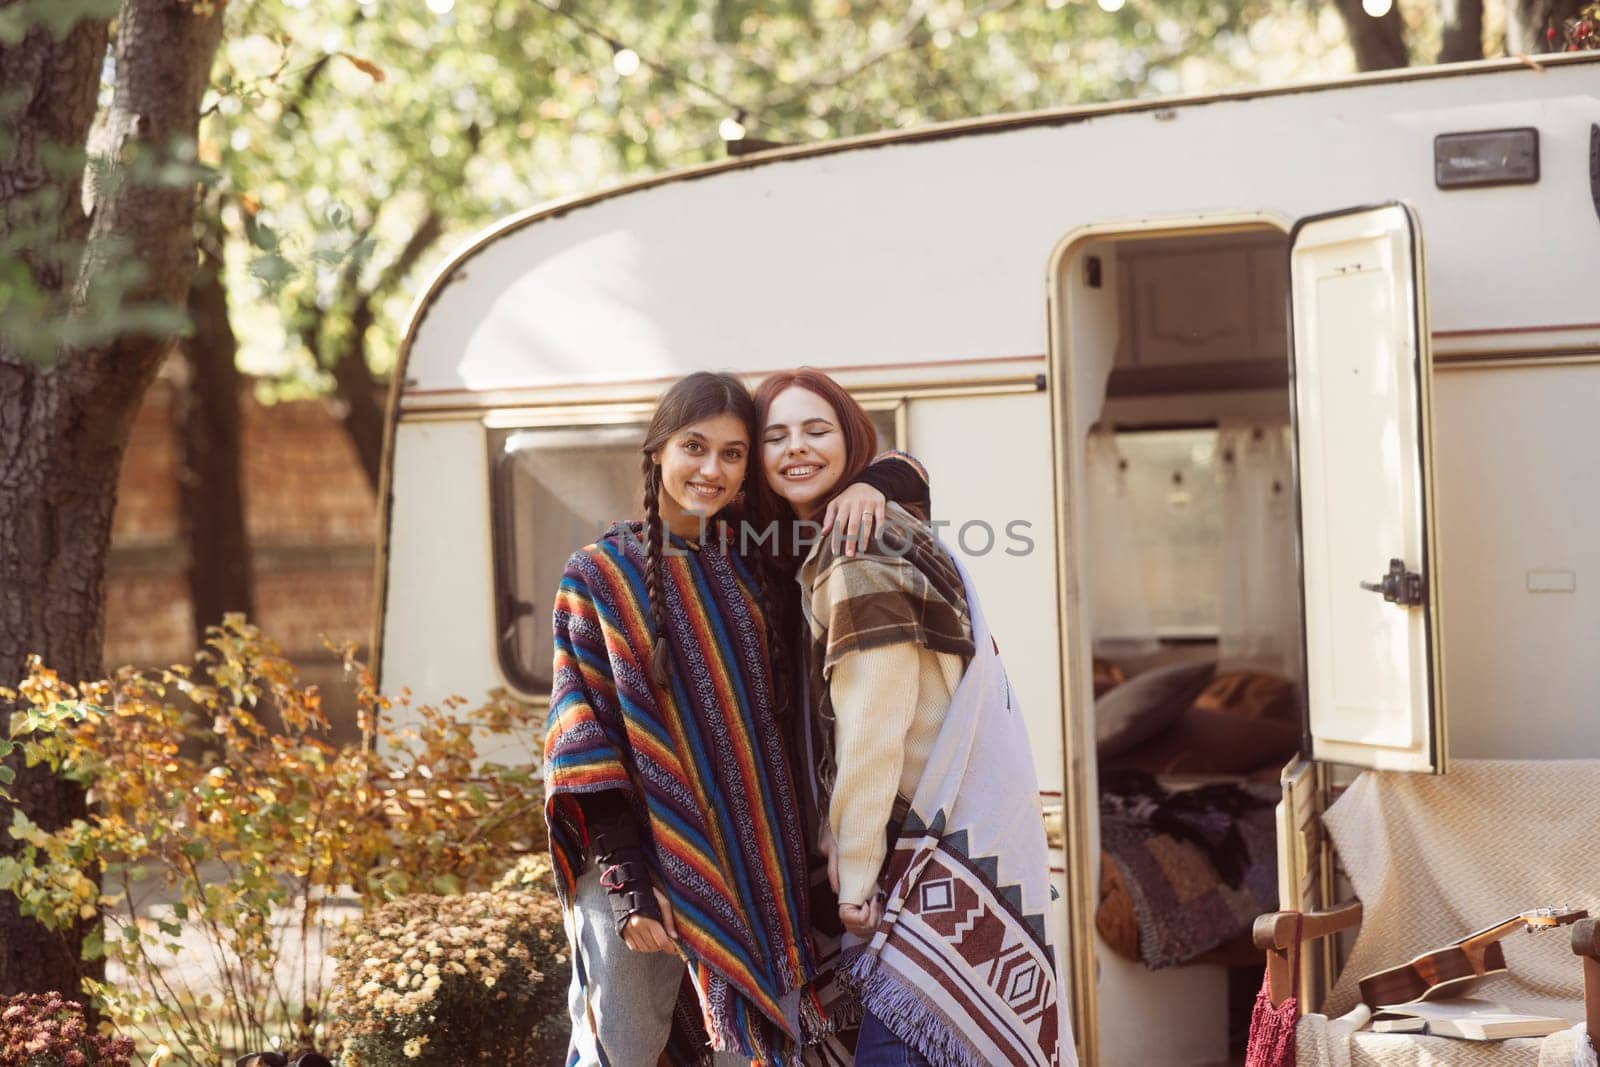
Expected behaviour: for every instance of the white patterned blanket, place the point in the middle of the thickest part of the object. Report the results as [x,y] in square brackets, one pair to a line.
[962,966]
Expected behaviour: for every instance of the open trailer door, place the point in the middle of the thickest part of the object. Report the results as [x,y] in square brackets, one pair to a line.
[1362,385]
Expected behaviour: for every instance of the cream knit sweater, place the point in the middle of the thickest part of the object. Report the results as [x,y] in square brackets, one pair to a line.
[889,704]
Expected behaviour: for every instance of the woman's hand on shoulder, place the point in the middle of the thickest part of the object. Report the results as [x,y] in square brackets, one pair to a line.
[858,511]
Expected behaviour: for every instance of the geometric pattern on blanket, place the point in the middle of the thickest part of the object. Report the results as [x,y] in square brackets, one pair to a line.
[962,966]
[956,923]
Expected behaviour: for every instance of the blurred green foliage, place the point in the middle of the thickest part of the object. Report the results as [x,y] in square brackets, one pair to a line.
[57,17]
[341,127]
[340,130]
[39,321]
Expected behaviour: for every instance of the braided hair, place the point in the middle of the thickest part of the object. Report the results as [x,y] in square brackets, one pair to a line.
[699,396]
[661,653]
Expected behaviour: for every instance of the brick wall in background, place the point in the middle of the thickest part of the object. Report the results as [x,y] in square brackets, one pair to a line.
[147,603]
[311,519]
[147,494]
[303,484]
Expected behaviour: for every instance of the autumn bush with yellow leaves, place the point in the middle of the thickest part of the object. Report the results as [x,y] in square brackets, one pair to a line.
[222,814]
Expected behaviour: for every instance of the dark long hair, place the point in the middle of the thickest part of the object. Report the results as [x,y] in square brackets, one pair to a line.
[860,445]
[695,398]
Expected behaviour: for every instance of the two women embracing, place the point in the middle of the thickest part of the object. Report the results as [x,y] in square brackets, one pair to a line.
[792,807]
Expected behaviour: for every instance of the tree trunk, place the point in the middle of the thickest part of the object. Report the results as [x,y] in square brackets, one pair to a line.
[57,490]
[1379,43]
[206,423]
[56,82]
[205,420]
[63,429]
[359,395]
[1463,31]
[1529,22]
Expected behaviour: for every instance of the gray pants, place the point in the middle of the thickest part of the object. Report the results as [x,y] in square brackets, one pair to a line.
[624,1000]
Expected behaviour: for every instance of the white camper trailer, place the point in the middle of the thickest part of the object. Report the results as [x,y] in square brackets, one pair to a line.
[1066,315]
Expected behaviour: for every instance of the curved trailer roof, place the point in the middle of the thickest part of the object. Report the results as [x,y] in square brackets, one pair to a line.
[457,316]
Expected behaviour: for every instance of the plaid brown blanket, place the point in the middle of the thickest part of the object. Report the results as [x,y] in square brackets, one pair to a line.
[904,589]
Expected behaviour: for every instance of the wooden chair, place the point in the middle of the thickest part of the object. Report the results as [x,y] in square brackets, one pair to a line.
[1586,944]
[1476,812]
[1274,935]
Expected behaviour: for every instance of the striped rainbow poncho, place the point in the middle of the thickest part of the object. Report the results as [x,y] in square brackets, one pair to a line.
[706,768]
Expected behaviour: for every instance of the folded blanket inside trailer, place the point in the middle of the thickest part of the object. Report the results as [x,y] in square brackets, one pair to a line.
[1184,871]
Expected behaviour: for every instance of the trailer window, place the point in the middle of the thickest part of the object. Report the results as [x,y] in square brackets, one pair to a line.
[554,490]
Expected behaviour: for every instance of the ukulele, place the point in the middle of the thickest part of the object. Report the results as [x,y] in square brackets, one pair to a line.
[1444,970]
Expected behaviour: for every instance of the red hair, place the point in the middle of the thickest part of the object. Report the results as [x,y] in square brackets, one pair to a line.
[860,436]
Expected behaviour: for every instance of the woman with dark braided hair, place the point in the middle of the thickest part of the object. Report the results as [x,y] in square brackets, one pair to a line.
[674,823]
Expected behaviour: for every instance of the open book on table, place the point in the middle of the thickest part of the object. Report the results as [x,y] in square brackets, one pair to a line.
[1463,1017]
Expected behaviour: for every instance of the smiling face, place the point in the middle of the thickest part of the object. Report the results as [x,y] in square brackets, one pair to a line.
[802,449]
[702,468]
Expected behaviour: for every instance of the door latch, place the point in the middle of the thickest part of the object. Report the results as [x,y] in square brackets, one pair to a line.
[1399,586]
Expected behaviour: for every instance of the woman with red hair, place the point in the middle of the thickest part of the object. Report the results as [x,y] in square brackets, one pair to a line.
[926,798]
